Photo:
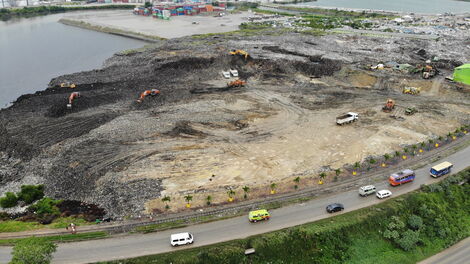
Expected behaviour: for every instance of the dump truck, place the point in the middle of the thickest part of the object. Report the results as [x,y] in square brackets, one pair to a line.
[226,74]
[347,118]
[234,72]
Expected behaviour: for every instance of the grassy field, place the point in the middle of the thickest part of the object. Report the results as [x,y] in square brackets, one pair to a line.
[403,230]
[18,226]
[61,238]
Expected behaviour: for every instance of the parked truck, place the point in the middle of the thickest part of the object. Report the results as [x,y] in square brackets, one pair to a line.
[347,118]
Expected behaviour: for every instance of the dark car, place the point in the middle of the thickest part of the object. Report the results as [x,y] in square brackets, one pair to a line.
[335,207]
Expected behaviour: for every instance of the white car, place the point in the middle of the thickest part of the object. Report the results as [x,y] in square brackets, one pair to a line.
[383,194]
[234,73]
[181,239]
[226,74]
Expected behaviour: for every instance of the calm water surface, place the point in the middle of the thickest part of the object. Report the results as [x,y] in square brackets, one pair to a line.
[416,6]
[35,50]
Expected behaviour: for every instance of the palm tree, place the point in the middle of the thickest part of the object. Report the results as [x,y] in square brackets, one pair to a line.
[166,199]
[322,176]
[405,150]
[230,194]
[188,199]
[246,189]
[297,181]
[338,172]
[357,165]
[208,199]
[397,153]
[273,188]
[372,161]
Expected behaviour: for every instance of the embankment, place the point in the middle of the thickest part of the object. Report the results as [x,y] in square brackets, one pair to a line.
[8,13]
[403,230]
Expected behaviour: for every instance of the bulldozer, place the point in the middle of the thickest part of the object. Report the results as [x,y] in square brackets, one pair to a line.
[240,52]
[389,106]
[67,85]
[411,90]
[152,92]
[410,111]
[236,83]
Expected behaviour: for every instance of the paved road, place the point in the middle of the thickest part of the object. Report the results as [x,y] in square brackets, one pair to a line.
[234,228]
[457,254]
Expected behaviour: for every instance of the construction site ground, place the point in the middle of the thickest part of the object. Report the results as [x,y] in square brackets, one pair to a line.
[199,138]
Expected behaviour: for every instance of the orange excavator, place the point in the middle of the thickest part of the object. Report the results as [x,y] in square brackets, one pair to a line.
[389,106]
[236,83]
[152,92]
[72,97]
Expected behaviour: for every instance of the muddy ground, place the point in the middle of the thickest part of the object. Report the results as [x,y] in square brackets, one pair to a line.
[199,138]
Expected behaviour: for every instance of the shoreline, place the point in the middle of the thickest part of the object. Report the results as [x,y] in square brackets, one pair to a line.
[109,30]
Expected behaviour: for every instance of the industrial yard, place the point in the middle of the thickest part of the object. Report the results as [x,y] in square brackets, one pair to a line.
[199,137]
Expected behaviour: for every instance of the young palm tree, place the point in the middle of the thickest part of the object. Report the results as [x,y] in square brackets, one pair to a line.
[245,189]
[322,177]
[166,199]
[208,199]
[296,181]
[188,199]
[273,187]
[230,194]
[338,172]
[357,165]
[397,153]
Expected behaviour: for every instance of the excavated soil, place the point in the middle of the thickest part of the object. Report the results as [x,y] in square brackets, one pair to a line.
[199,137]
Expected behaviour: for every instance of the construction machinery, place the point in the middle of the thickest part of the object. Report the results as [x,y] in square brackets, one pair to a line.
[152,92]
[389,106]
[428,72]
[410,111]
[67,85]
[240,52]
[72,97]
[236,83]
[411,90]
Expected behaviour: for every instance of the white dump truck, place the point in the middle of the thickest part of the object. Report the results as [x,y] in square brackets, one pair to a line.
[347,118]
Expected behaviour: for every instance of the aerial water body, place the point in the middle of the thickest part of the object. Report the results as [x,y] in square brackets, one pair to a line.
[415,6]
[35,50]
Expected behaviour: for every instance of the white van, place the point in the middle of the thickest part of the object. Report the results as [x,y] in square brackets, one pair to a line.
[181,239]
[366,190]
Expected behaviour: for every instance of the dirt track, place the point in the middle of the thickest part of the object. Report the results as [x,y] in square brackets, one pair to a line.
[199,138]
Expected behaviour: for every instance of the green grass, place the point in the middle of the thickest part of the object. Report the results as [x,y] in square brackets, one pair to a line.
[61,238]
[61,222]
[353,237]
[18,226]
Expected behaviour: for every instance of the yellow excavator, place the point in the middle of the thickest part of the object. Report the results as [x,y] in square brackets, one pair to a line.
[67,85]
[240,52]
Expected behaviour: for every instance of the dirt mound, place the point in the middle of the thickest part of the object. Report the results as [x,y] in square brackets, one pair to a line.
[77,208]
[184,129]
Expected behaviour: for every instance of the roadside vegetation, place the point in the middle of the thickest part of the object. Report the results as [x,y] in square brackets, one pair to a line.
[8,13]
[33,250]
[43,212]
[406,229]
[60,238]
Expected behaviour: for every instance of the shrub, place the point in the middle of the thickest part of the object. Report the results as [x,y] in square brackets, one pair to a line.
[415,222]
[409,240]
[45,206]
[31,193]
[10,200]
[33,250]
